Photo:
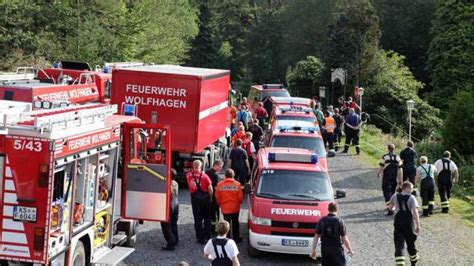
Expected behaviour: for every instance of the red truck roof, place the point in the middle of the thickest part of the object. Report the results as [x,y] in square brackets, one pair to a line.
[193,101]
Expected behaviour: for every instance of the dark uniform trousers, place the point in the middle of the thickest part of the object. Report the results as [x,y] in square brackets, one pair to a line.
[404,232]
[389,185]
[337,137]
[445,183]
[427,189]
[202,217]
[233,220]
[352,136]
[170,229]
[332,256]
[409,174]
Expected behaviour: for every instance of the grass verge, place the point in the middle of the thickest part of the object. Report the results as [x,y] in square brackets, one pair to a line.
[374,145]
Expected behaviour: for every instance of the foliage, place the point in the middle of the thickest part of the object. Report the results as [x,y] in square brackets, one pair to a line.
[450,54]
[389,90]
[32,32]
[406,28]
[353,41]
[459,124]
[303,78]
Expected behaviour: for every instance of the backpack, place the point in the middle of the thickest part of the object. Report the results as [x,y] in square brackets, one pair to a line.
[221,259]
[391,170]
[444,176]
[199,193]
[242,116]
[404,217]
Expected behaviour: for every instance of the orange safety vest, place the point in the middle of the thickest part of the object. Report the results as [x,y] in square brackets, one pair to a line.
[229,195]
[330,124]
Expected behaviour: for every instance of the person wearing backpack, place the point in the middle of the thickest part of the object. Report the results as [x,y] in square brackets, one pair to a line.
[426,173]
[448,174]
[221,250]
[391,166]
[200,188]
[406,223]
[243,115]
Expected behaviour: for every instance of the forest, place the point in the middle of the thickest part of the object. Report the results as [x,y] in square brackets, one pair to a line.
[420,50]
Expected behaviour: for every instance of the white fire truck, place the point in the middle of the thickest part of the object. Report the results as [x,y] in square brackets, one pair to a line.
[74,181]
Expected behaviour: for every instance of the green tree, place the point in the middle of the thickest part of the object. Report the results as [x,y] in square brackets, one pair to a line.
[406,28]
[451,54]
[353,41]
[205,47]
[459,124]
[166,28]
[305,76]
[387,93]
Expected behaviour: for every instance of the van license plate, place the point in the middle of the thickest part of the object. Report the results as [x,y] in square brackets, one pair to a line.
[22,213]
[294,243]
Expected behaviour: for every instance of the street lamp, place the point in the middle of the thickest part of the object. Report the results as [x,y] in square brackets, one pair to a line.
[361,94]
[410,107]
[322,93]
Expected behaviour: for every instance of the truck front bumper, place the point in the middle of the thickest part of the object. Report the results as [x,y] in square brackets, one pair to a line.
[271,243]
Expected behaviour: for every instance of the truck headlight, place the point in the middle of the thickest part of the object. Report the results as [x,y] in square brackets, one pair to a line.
[262,221]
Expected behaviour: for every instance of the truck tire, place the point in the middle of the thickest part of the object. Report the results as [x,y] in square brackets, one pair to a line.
[251,251]
[79,255]
[132,234]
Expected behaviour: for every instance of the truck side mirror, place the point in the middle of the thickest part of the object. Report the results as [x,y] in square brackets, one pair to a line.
[248,189]
[340,194]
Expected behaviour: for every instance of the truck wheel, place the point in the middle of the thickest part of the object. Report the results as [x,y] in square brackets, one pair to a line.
[132,235]
[79,256]
[253,252]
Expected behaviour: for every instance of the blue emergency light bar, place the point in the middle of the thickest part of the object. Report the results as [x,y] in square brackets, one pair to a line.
[296,158]
[129,109]
[296,109]
[273,86]
[311,129]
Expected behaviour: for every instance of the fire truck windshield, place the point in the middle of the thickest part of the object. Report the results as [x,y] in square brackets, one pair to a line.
[297,118]
[308,143]
[294,185]
[274,93]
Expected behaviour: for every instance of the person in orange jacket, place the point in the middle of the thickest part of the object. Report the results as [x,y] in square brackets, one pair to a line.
[229,196]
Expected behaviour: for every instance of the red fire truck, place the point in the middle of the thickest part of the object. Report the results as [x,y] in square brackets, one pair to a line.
[193,101]
[289,192]
[73,82]
[292,112]
[62,201]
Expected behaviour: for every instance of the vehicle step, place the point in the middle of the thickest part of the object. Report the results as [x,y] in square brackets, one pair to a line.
[119,238]
[113,256]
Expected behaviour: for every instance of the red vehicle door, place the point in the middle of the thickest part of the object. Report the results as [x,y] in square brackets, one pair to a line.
[146,172]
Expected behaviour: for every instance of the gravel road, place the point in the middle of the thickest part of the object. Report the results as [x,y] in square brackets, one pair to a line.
[444,240]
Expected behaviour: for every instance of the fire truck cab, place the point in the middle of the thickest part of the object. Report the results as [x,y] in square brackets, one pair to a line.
[300,135]
[263,93]
[73,182]
[288,193]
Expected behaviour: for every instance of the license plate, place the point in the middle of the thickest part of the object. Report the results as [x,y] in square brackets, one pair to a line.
[22,213]
[294,242]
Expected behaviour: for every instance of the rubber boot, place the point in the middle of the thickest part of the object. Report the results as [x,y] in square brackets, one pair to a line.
[357,150]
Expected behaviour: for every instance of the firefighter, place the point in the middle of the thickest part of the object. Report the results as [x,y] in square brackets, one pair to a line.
[170,229]
[408,157]
[391,166]
[406,224]
[329,124]
[448,173]
[339,119]
[261,114]
[332,231]
[229,196]
[213,174]
[238,161]
[352,129]
[425,173]
[257,134]
[200,188]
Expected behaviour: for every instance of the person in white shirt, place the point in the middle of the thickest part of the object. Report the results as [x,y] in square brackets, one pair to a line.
[426,172]
[221,250]
[447,175]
